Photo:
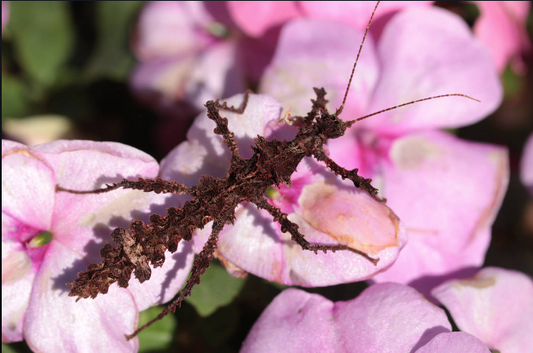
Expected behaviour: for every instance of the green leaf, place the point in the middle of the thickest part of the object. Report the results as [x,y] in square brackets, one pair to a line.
[15,102]
[217,288]
[160,335]
[43,37]
[112,57]
[7,349]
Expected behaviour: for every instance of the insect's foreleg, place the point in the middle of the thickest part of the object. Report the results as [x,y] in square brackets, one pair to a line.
[147,185]
[200,265]
[359,181]
[292,228]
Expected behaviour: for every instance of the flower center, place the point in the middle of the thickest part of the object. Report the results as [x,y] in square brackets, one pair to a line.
[218,30]
[41,239]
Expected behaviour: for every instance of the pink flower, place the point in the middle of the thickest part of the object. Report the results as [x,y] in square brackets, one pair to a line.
[526,164]
[185,54]
[50,236]
[256,17]
[384,318]
[447,191]
[501,27]
[5,14]
[326,209]
[496,305]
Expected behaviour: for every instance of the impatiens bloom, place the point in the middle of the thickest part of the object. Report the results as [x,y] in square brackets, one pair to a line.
[384,318]
[185,55]
[496,306]
[446,190]
[48,236]
[256,17]
[526,164]
[501,27]
[327,210]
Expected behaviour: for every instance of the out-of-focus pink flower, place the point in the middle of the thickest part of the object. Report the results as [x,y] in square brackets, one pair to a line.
[526,164]
[326,209]
[501,27]
[49,236]
[256,17]
[384,318]
[496,306]
[5,14]
[447,191]
[185,54]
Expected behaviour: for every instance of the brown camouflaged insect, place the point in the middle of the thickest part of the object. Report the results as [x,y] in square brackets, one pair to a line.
[273,163]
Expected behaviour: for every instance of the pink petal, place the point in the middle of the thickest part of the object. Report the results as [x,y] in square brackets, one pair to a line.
[355,13]
[320,53]
[501,27]
[256,245]
[84,326]
[295,321]
[426,52]
[255,17]
[384,318]
[5,14]
[447,191]
[17,280]
[526,164]
[166,281]
[216,74]
[28,186]
[83,223]
[496,306]
[169,28]
[454,342]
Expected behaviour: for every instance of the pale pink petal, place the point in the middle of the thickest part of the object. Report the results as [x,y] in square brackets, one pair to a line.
[255,17]
[161,82]
[426,52]
[295,321]
[5,14]
[55,322]
[496,306]
[501,27]
[447,192]
[526,164]
[17,280]
[260,118]
[389,318]
[166,281]
[321,53]
[256,245]
[355,13]
[28,186]
[454,342]
[84,223]
[216,74]
[384,318]
[169,28]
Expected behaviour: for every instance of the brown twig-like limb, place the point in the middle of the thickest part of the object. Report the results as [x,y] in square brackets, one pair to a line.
[200,265]
[292,228]
[147,185]
[358,181]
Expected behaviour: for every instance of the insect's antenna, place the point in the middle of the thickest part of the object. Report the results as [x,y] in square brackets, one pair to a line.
[351,122]
[339,111]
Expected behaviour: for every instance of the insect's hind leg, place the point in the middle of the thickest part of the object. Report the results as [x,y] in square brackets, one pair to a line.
[292,228]
[147,185]
[200,265]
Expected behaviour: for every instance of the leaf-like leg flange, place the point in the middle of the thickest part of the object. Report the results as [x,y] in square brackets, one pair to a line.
[200,265]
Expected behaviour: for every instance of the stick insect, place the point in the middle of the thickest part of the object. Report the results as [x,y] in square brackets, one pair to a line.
[272,163]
